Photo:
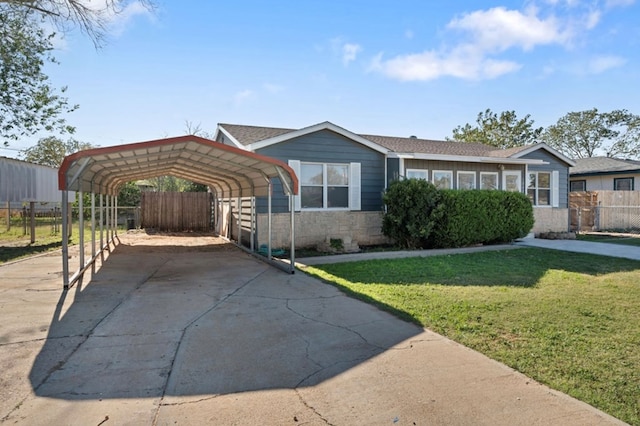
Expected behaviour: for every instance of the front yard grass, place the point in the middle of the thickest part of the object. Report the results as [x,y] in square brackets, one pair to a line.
[610,238]
[568,320]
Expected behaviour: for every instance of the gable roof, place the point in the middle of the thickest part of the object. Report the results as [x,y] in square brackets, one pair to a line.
[256,137]
[603,165]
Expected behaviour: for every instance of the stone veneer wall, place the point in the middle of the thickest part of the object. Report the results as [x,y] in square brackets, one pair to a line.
[550,220]
[313,228]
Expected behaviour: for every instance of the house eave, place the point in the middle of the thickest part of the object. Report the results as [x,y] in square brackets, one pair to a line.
[549,149]
[315,128]
[466,158]
[233,140]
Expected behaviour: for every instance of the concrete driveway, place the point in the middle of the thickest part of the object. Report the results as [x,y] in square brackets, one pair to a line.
[191,334]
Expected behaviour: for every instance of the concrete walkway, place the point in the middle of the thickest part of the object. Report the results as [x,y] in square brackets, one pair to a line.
[181,335]
[604,249]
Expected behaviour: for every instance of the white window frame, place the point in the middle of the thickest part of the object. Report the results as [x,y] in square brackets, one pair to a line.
[466,173]
[506,174]
[553,189]
[354,178]
[424,174]
[494,174]
[536,188]
[448,172]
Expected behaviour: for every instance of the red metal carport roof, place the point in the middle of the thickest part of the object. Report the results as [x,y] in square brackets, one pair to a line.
[230,171]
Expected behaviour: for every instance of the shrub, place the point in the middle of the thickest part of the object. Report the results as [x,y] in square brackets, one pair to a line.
[420,216]
[468,217]
[409,205]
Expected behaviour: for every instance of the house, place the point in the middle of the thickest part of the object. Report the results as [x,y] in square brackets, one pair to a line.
[343,175]
[604,174]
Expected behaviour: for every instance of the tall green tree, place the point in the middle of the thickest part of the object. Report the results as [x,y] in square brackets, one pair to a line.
[50,151]
[590,133]
[502,131]
[28,102]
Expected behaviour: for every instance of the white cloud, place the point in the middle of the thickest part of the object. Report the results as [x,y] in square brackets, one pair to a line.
[118,22]
[600,64]
[463,62]
[272,88]
[349,52]
[490,32]
[241,97]
[499,29]
[619,3]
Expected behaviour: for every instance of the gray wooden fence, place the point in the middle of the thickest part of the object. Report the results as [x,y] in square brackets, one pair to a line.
[177,211]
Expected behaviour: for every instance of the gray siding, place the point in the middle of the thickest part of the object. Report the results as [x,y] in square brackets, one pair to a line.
[555,164]
[328,147]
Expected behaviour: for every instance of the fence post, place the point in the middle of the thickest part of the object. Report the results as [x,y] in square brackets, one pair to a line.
[32,219]
[8,215]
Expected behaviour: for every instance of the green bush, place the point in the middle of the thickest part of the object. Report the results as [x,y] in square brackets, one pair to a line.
[409,205]
[468,217]
[420,216]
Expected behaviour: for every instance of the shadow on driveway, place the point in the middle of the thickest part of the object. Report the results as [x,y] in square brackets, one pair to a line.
[157,321]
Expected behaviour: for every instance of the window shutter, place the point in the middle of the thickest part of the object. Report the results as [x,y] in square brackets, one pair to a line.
[295,165]
[354,187]
[555,189]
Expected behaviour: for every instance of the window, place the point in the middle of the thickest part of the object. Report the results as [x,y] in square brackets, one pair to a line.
[578,185]
[324,185]
[488,180]
[511,181]
[466,180]
[416,174]
[539,188]
[623,184]
[443,179]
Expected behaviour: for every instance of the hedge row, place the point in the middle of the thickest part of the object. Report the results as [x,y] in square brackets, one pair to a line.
[420,216]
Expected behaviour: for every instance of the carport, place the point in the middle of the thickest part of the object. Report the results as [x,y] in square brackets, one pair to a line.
[229,172]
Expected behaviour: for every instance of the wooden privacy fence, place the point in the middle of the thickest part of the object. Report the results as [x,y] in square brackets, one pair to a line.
[605,210]
[177,211]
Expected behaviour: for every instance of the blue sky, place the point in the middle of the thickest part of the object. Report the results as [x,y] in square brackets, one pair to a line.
[394,68]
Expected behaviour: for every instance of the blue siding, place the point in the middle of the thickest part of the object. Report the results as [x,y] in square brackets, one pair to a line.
[554,164]
[393,169]
[326,146]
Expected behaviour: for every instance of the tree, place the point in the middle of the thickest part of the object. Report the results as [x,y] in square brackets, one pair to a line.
[28,103]
[129,195]
[50,151]
[92,18]
[502,131]
[590,133]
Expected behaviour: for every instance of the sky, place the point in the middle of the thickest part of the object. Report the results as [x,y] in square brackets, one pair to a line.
[393,68]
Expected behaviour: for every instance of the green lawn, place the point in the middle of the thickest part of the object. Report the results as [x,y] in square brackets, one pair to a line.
[14,245]
[613,239]
[569,320]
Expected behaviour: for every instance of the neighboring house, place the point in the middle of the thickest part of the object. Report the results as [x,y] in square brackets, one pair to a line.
[604,174]
[343,176]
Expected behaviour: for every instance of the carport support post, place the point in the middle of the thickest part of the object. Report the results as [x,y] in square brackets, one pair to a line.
[65,239]
[101,224]
[293,237]
[253,224]
[93,232]
[107,213]
[81,226]
[115,215]
[239,221]
[269,223]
